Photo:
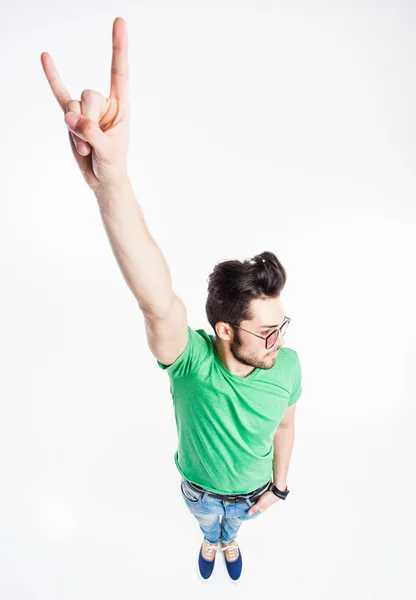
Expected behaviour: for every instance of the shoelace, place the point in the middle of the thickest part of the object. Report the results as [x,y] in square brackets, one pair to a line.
[209,548]
[233,550]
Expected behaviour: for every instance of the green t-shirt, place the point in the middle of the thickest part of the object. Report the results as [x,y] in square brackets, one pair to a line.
[225,422]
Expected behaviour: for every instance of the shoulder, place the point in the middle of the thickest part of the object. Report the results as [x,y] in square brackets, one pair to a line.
[197,350]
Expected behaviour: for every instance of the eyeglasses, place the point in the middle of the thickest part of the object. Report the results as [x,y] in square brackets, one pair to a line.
[271,339]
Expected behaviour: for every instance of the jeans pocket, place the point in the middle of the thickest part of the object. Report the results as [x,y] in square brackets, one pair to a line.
[189,493]
[252,503]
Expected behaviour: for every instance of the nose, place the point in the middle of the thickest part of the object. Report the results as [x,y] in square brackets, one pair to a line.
[280,340]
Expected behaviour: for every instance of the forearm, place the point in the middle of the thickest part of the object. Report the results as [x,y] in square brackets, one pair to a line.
[283,444]
[141,261]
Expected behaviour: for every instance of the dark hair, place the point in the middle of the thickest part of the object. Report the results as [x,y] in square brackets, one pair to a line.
[233,284]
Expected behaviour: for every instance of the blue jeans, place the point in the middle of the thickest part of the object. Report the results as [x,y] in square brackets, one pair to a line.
[208,510]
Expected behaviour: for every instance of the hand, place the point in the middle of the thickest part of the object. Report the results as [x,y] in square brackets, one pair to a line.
[99,139]
[263,503]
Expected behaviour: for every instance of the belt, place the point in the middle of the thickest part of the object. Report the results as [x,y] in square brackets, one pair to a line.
[253,496]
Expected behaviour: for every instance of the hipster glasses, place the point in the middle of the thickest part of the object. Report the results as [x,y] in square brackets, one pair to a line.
[271,339]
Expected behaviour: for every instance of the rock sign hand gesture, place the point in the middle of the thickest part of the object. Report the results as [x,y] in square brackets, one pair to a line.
[98,127]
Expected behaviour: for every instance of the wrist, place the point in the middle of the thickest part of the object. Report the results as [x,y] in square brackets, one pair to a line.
[281,485]
[279,492]
[113,187]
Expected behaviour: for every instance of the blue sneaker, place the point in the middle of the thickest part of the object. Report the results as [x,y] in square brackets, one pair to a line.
[233,559]
[206,559]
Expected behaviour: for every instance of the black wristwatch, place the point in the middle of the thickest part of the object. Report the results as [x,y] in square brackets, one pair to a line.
[277,492]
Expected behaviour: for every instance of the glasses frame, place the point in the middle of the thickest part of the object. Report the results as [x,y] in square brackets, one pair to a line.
[286,320]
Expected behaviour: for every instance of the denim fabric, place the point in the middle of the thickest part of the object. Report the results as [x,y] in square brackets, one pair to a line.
[208,510]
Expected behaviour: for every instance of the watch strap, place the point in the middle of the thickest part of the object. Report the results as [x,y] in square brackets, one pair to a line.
[279,493]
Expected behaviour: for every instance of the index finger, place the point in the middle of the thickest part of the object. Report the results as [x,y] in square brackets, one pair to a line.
[119,64]
[59,90]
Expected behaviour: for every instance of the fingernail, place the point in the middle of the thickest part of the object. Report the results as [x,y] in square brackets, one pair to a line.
[82,149]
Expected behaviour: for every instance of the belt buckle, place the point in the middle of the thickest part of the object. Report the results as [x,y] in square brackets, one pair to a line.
[229,499]
[235,499]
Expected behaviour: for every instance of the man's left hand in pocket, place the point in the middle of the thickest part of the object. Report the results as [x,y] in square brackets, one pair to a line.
[263,503]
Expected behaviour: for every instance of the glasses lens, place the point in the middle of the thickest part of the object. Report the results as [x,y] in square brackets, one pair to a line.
[271,340]
[284,328]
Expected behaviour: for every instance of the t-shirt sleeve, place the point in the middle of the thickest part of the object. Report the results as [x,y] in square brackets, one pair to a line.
[297,381]
[194,354]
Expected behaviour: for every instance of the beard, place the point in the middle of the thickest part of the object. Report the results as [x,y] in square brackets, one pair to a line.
[249,358]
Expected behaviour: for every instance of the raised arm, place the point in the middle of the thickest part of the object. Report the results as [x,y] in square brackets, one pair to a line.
[98,134]
[140,259]
[145,271]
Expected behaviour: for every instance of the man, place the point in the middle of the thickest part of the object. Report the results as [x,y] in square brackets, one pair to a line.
[234,393]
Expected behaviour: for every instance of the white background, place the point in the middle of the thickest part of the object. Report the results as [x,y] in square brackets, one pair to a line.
[256,125]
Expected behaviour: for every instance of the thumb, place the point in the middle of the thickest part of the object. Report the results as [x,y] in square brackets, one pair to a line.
[87,130]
